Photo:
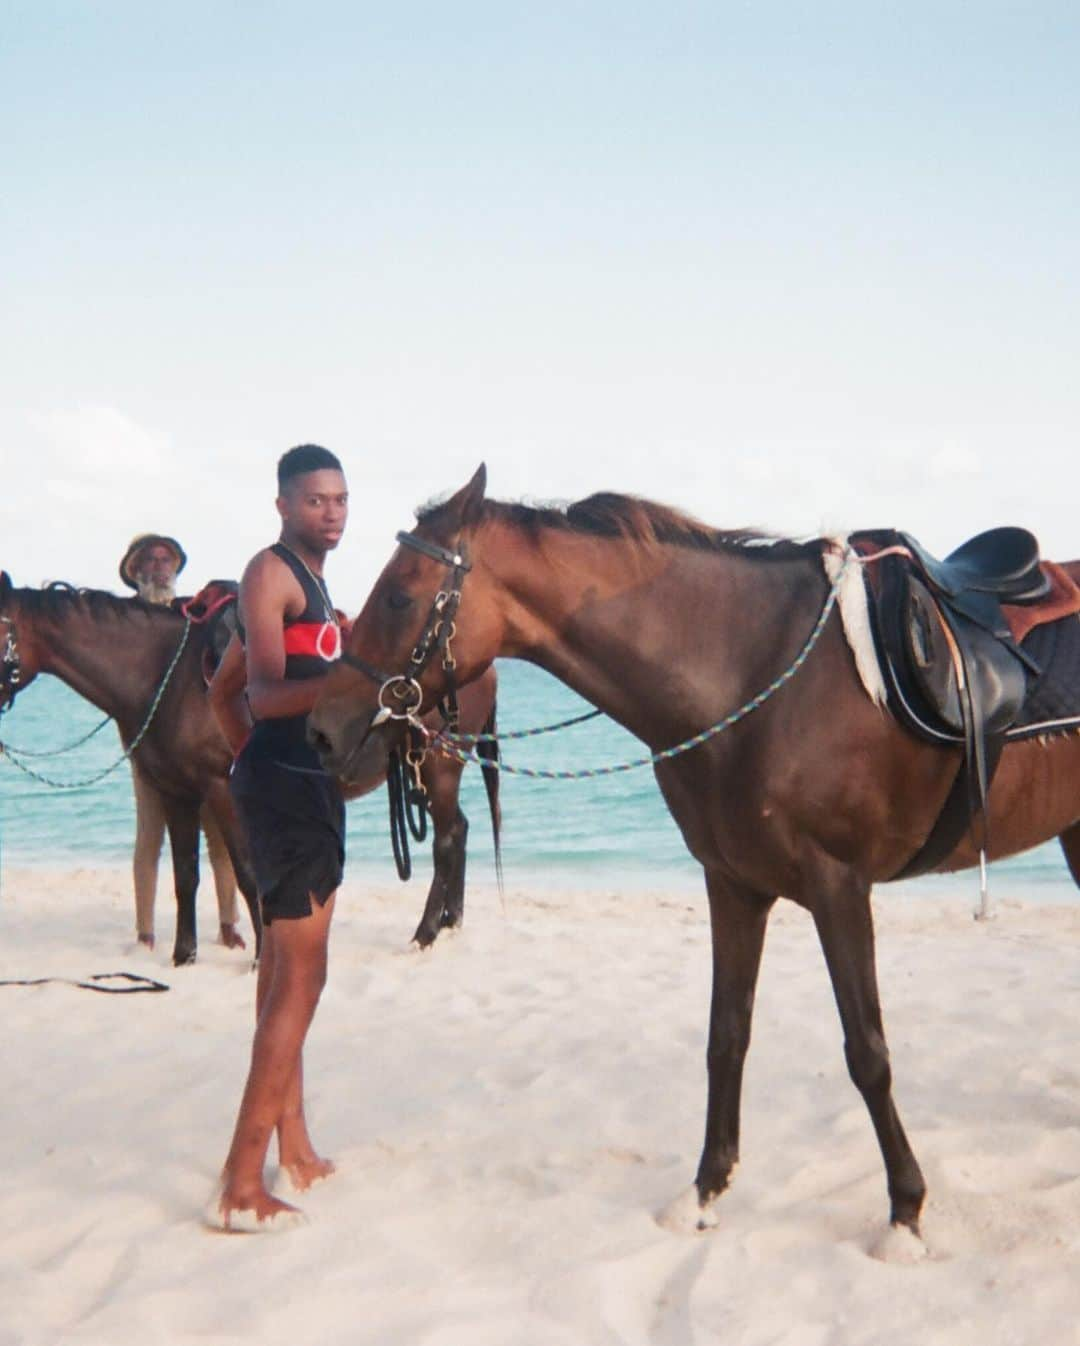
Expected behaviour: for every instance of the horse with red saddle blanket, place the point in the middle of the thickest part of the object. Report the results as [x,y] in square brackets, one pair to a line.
[146,666]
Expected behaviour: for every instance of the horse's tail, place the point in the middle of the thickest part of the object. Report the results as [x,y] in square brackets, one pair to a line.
[487,749]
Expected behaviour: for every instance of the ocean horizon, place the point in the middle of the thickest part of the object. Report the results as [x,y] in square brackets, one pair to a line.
[603,833]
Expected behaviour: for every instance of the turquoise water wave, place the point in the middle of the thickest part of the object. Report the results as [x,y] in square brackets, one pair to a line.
[608,833]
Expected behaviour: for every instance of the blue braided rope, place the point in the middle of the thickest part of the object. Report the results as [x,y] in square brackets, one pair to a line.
[57,752]
[11,754]
[447,742]
[504,735]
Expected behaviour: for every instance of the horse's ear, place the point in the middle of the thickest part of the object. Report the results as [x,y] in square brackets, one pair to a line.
[5,586]
[464,507]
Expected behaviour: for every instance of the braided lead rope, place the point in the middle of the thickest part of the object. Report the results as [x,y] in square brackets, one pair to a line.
[523,733]
[446,744]
[5,751]
[58,752]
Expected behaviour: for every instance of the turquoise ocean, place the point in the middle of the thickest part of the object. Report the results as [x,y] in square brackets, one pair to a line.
[607,833]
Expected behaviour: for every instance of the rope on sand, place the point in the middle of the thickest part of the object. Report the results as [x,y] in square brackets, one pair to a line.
[93,983]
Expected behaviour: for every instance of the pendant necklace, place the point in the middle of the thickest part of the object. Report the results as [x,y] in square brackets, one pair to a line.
[324,593]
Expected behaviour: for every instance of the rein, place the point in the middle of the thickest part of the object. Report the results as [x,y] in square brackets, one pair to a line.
[55,752]
[13,754]
[408,806]
[437,634]
[448,741]
[526,733]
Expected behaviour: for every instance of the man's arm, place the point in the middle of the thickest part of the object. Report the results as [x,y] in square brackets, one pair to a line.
[226,695]
[268,593]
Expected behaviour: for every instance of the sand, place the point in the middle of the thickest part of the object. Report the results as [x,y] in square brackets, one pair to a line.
[513,1111]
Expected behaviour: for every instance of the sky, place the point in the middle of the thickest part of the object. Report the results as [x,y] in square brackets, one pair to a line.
[804,267]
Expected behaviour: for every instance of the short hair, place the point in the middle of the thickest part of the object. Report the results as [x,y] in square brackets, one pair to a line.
[304,458]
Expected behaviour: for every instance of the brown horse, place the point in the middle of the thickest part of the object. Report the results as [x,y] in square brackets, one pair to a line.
[116,653]
[668,625]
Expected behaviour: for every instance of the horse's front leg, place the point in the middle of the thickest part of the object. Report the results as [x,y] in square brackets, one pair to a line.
[182,820]
[445,906]
[738,919]
[845,926]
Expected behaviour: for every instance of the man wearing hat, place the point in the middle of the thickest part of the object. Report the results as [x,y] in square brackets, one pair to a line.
[150,567]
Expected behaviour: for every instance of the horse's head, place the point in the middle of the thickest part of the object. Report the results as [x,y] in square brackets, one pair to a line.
[409,644]
[15,670]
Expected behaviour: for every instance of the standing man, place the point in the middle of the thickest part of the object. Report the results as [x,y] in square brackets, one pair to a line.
[294,817]
[150,567]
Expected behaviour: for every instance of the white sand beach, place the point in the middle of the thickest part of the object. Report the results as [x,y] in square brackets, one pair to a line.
[512,1111]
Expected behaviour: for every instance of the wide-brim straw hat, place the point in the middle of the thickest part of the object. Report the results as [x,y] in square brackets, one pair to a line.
[140,543]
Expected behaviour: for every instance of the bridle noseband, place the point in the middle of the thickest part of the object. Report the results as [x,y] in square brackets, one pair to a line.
[400,694]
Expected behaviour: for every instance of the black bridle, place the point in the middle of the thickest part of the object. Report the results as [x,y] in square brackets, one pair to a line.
[400,694]
[10,664]
[400,697]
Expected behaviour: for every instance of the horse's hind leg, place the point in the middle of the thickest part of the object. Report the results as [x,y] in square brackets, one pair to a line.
[738,921]
[845,927]
[1070,844]
[182,819]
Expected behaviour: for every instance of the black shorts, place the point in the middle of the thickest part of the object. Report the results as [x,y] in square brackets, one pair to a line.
[293,815]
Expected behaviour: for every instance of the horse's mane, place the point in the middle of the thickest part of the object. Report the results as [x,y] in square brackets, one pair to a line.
[608,514]
[58,598]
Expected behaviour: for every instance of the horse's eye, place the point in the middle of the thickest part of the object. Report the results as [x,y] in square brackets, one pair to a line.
[399,601]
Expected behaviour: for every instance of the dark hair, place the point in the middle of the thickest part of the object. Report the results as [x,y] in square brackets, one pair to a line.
[304,458]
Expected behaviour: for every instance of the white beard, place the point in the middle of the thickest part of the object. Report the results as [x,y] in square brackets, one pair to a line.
[157,593]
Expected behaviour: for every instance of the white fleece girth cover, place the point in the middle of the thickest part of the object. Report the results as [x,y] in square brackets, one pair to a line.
[855,615]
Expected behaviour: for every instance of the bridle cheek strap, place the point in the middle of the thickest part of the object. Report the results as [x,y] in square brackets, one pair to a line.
[437,633]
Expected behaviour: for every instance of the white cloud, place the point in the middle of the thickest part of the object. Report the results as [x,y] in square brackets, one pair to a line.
[94,439]
[953,459]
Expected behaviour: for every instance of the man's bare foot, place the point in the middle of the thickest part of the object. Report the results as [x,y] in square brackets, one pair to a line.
[147,939]
[298,1175]
[231,937]
[250,1213]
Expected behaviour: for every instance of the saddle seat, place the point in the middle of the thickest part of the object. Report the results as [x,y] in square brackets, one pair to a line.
[1003,562]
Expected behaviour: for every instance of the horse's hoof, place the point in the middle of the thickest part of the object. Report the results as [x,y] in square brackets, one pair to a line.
[686,1214]
[899,1244]
[183,959]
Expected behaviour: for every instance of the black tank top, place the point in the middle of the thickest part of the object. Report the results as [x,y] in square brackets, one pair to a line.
[312,644]
[313,639]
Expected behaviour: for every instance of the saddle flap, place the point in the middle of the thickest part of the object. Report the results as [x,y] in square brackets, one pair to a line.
[929,657]
[961,670]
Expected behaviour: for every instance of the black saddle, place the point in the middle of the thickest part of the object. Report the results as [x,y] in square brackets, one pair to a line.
[955,675]
[1003,562]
